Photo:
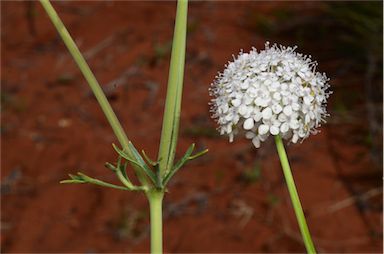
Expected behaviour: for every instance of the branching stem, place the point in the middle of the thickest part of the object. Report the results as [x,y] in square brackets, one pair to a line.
[93,83]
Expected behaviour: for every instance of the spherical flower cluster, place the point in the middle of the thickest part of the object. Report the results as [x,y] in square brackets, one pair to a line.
[272,92]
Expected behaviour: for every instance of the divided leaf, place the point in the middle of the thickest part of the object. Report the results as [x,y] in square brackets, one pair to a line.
[82,178]
[138,160]
[187,157]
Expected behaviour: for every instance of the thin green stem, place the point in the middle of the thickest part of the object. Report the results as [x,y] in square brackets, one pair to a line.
[93,83]
[172,109]
[83,66]
[155,205]
[294,196]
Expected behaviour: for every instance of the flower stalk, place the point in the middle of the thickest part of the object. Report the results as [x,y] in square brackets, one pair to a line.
[153,175]
[172,109]
[92,82]
[294,196]
[89,76]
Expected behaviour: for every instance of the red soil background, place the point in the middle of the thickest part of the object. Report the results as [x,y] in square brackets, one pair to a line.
[234,199]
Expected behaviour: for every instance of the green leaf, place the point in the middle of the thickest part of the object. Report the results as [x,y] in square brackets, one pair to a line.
[110,166]
[123,170]
[156,166]
[201,153]
[137,155]
[139,161]
[72,181]
[146,157]
[82,178]
[125,180]
[178,165]
[125,156]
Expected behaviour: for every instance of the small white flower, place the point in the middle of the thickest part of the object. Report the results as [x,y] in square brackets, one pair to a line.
[248,124]
[287,110]
[274,130]
[276,108]
[272,92]
[263,129]
[266,113]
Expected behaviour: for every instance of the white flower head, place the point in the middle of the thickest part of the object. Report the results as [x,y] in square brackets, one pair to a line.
[272,92]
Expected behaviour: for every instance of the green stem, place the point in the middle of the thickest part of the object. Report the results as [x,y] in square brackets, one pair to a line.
[294,196]
[155,205]
[94,85]
[83,66]
[171,119]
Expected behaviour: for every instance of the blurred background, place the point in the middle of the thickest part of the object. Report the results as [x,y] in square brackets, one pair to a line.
[232,200]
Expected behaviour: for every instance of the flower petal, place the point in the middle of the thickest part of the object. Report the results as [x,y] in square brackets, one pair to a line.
[267,113]
[236,102]
[248,124]
[276,108]
[250,134]
[256,142]
[263,129]
[274,130]
[287,110]
[284,127]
